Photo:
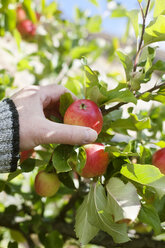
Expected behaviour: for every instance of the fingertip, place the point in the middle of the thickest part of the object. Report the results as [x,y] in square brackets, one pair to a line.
[91,136]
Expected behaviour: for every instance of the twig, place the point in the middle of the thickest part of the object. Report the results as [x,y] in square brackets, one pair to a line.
[107,111]
[117,106]
[67,231]
[74,198]
[144,16]
[156,87]
[8,222]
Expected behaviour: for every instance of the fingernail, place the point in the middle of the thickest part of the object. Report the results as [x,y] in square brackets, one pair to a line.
[91,136]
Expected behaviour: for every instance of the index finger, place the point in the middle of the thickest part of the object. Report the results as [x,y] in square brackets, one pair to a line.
[50,94]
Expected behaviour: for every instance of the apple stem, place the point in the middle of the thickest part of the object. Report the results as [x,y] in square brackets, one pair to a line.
[50,168]
[83,106]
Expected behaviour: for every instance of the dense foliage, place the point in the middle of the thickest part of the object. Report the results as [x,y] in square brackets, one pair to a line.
[126,205]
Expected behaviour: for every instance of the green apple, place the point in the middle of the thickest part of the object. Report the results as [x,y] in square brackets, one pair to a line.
[46,184]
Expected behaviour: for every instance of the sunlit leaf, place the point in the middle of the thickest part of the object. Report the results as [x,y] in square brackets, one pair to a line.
[95,2]
[127,63]
[123,200]
[133,15]
[88,231]
[159,7]
[145,174]
[99,216]
[154,32]
[94,24]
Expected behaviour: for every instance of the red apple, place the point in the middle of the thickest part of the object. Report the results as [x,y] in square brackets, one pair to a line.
[84,112]
[27,29]
[97,160]
[21,14]
[46,184]
[158,159]
[26,154]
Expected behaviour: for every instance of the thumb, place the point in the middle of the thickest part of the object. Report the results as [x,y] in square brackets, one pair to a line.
[66,134]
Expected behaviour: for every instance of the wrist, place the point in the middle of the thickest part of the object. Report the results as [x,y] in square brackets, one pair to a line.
[9,136]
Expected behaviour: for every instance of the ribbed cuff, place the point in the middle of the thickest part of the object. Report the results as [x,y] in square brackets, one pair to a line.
[9,136]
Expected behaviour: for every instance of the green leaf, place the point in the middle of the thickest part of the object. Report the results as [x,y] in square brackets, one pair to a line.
[60,158]
[95,95]
[14,174]
[94,24]
[24,64]
[66,179]
[147,57]
[114,151]
[77,159]
[79,51]
[50,9]
[131,123]
[158,66]
[119,95]
[28,165]
[141,173]
[95,2]
[74,85]
[123,201]
[28,7]
[12,244]
[145,155]
[148,52]
[159,186]
[98,215]
[145,174]
[10,19]
[159,7]
[84,230]
[160,143]
[127,63]
[43,5]
[91,76]
[154,32]
[149,216]
[120,11]
[2,185]
[133,15]
[17,37]
[65,101]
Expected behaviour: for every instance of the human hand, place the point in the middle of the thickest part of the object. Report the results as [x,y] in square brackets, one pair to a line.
[34,104]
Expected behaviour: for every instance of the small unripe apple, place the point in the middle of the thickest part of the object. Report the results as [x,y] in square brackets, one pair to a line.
[26,28]
[158,159]
[84,112]
[20,14]
[26,154]
[46,184]
[97,160]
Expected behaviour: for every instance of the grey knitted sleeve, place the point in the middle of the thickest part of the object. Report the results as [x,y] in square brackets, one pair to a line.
[9,136]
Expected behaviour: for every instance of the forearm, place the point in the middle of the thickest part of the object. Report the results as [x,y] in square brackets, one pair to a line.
[9,136]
